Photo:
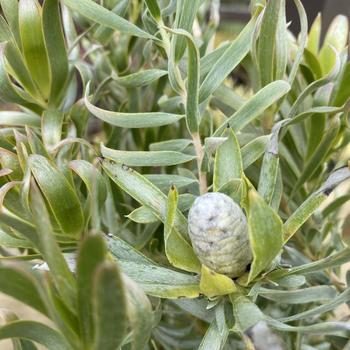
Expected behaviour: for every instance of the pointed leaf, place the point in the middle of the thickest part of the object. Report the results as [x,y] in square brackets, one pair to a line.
[265,234]
[213,284]
[56,49]
[178,251]
[36,332]
[142,158]
[92,252]
[59,194]
[228,162]
[101,15]
[144,192]
[109,307]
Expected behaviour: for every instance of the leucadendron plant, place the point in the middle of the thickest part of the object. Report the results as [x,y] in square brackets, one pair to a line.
[150,201]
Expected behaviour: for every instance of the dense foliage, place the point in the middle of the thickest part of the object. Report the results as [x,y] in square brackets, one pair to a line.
[116,115]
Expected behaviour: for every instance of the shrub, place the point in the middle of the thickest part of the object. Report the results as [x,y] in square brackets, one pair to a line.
[118,116]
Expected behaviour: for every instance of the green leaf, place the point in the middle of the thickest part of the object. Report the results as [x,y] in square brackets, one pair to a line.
[12,118]
[165,181]
[51,128]
[228,162]
[333,206]
[314,38]
[266,54]
[178,251]
[143,215]
[141,78]
[171,145]
[92,252]
[18,69]
[281,43]
[35,144]
[301,42]
[292,281]
[7,240]
[315,111]
[103,34]
[33,44]
[323,328]
[313,63]
[229,97]
[255,106]
[235,189]
[213,284]
[154,279]
[10,10]
[131,120]
[331,261]
[342,89]
[9,92]
[9,160]
[270,166]
[210,59]
[213,338]
[315,85]
[300,296]
[185,15]
[336,38]
[192,110]
[139,313]
[49,248]
[142,158]
[110,307]
[337,301]
[153,9]
[21,285]
[196,307]
[59,194]
[144,192]
[265,234]
[229,59]
[320,153]
[307,208]
[246,313]
[36,332]
[26,228]
[56,49]
[92,179]
[101,15]
[254,150]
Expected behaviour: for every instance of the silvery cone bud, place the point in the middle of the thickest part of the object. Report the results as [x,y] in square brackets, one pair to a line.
[219,234]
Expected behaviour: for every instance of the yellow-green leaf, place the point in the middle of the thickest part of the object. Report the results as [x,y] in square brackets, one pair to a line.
[178,251]
[265,233]
[213,284]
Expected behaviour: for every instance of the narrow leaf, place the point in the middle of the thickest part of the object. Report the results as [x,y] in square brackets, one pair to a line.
[56,49]
[131,120]
[255,106]
[36,332]
[109,307]
[141,158]
[265,234]
[178,251]
[59,194]
[144,192]
[228,162]
[230,58]
[101,15]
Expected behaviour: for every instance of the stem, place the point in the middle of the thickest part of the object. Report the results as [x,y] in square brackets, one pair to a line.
[200,154]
